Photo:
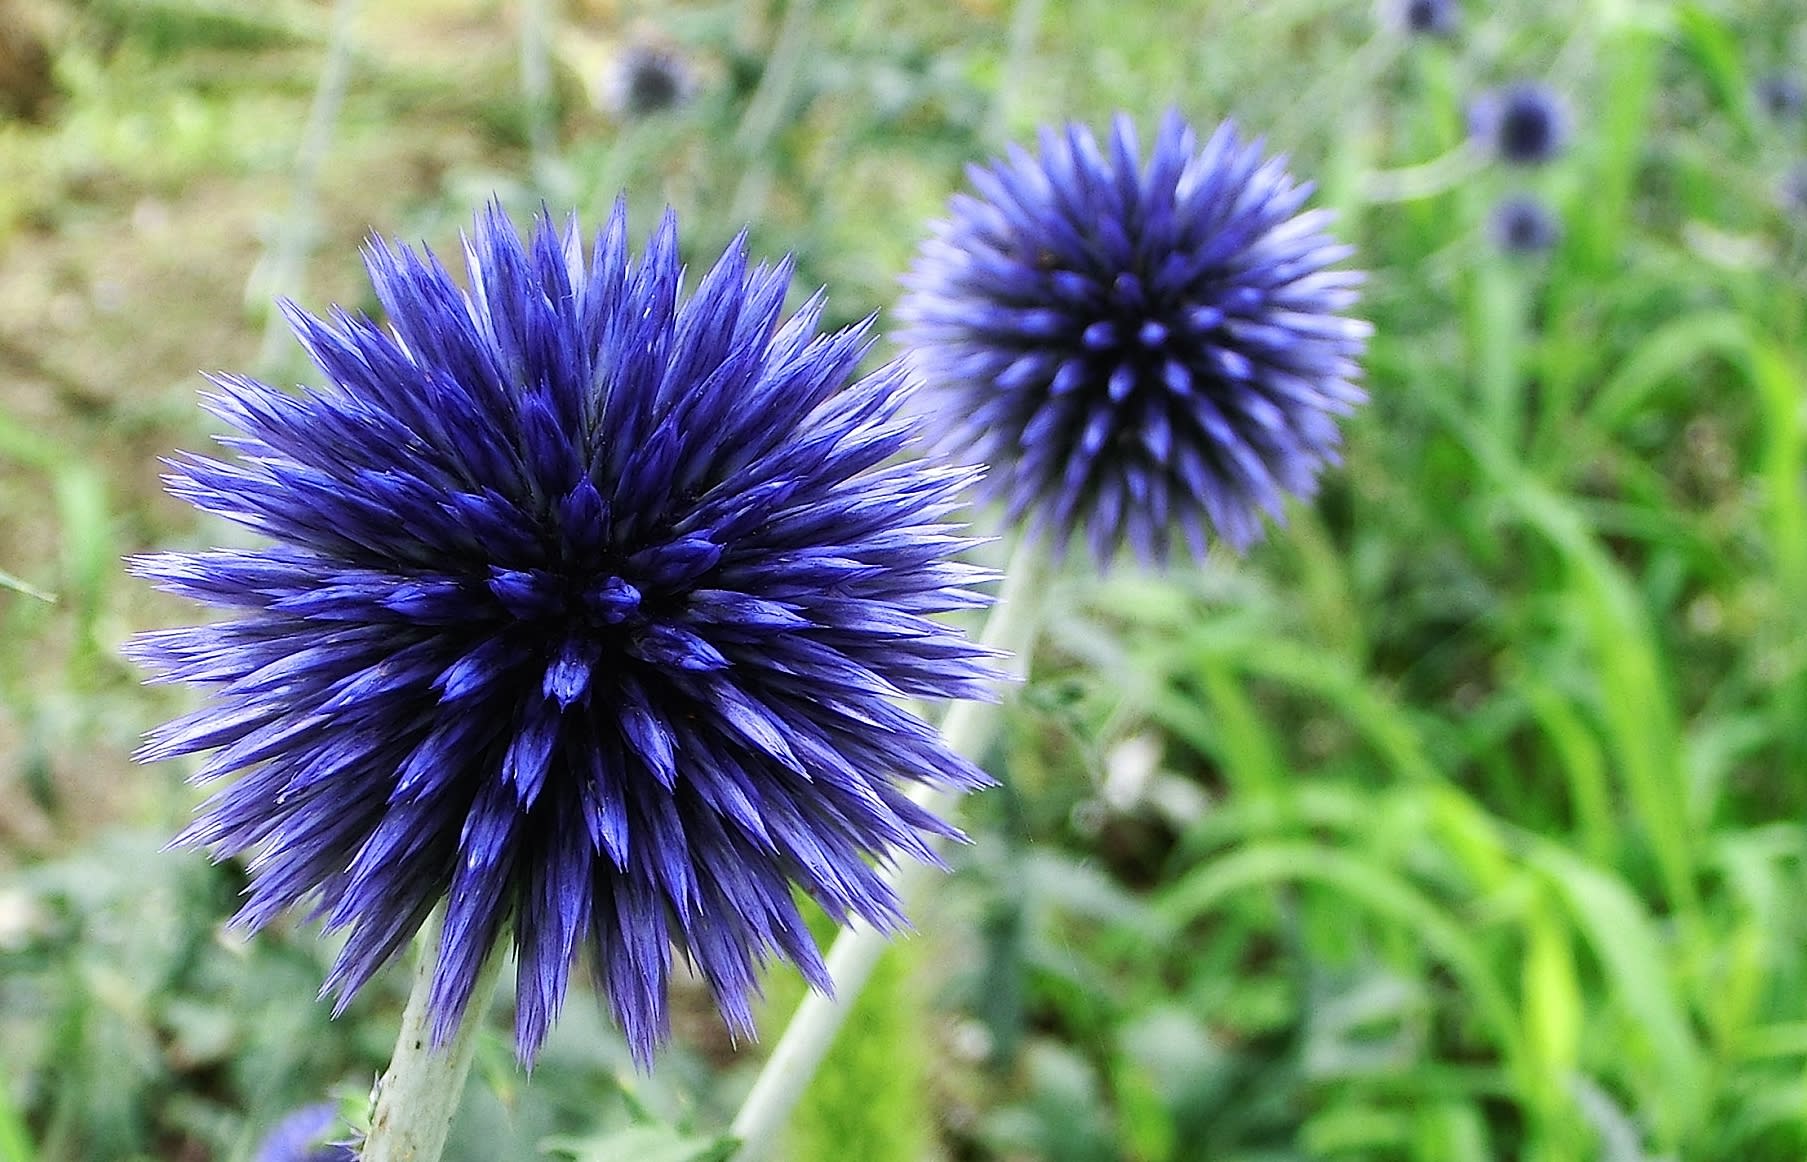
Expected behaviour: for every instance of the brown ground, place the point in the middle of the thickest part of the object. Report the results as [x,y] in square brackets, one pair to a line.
[135,212]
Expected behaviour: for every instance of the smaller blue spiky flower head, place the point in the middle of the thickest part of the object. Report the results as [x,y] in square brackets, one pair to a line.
[1781,95]
[590,612]
[1134,347]
[648,78]
[1522,124]
[1439,18]
[1522,224]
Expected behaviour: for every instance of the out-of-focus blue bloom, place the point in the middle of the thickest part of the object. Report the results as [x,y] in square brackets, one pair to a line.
[1521,224]
[647,79]
[1442,18]
[1137,346]
[1782,96]
[1522,124]
[588,614]
[301,1137]
[1791,191]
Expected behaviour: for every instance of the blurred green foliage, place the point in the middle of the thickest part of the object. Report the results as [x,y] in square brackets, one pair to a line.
[1460,821]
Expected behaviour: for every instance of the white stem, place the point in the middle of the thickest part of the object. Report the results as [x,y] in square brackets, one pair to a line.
[1425,180]
[967,730]
[417,1097]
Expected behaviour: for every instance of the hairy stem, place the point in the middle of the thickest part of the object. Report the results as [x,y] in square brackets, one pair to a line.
[418,1095]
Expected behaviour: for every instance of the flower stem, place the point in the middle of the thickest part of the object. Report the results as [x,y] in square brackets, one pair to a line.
[967,730]
[536,78]
[279,272]
[766,110]
[417,1097]
[1427,179]
[769,102]
[1025,23]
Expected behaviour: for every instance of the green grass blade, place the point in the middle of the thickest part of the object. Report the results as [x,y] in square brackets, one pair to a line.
[1636,960]
[1264,864]
[15,1140]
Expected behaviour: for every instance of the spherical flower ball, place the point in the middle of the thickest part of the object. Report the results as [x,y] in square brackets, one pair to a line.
[1521,224]
[1437,18]
[1522,124]
[647,79]
[1137,346]
[1782,96]
[589,612]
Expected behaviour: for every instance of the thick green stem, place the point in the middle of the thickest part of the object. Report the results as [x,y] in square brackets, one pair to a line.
[967,730]
[419,1094]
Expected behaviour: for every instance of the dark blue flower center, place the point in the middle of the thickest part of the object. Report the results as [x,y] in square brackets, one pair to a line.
[569,618]
[653,84]
[1428,15]
[536,595]
[1527,128]
[1151,340]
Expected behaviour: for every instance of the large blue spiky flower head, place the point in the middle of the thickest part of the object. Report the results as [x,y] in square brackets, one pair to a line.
[589,612]
[1135,347]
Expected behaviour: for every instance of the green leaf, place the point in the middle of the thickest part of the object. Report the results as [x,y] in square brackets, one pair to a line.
[1637,964]
[642,1144]
[15,1140]
[1714,47]
[20,585]
[1378,889]
[1663,356]
[1553,1003]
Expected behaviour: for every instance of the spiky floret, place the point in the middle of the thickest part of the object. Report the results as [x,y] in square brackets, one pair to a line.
[1134,347]
[1522,224]
[301,1137]
[589,612]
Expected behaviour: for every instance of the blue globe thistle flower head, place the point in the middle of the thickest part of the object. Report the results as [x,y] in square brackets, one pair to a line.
[302,1137]
[588,611]
[1791,190]
[1521,224]
[1433,18]
[1521,124]
[1133,346]
[1782,96]
[647,79]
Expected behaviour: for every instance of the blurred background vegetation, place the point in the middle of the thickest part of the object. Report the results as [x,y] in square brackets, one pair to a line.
[1461,821]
